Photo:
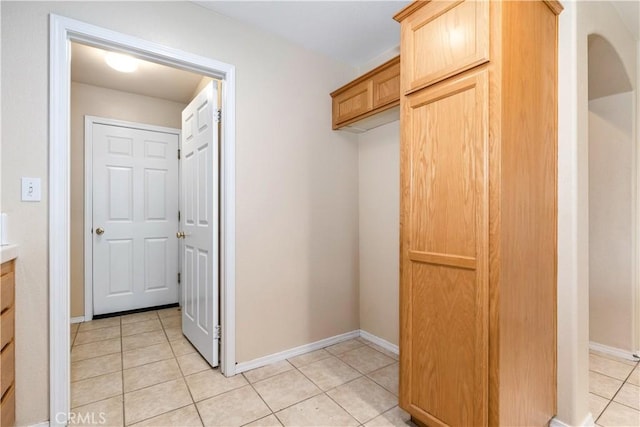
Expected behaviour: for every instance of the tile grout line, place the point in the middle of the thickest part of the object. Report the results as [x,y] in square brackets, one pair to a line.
[124,420]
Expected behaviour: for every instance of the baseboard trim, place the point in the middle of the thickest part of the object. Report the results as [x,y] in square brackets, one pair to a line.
[613,351]
[296,351]
[587,422]
[78,319]
[379,341]
[42,424]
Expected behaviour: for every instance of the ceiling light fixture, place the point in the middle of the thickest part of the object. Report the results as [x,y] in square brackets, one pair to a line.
[120,62]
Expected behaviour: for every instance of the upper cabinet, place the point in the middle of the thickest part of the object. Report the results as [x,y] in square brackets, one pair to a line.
[375,92]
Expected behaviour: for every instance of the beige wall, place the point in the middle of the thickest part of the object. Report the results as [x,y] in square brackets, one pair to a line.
[379,186]
[611,226]
[97,101]
[297,195]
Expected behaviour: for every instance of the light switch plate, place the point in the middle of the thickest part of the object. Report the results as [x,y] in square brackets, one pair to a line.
[31,190]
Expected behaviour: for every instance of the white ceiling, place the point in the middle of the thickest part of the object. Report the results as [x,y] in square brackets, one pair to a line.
[159,81]
[353,32]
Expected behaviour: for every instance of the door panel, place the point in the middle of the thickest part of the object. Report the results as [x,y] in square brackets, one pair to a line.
[200,223]
[135,201]
[444,295]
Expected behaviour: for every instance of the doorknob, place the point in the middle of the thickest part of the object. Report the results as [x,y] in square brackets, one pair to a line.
[180,235]
[99,231]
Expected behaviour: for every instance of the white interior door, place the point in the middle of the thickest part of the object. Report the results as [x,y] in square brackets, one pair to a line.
[199,223]
[135,218]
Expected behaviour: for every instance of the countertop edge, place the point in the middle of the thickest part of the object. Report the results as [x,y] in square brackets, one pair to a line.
[8,252]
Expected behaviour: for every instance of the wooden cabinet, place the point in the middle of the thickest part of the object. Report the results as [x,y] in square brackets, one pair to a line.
[368,95]
[478,212]
[7,346]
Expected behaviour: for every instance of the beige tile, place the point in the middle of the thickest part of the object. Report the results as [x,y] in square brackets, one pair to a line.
[100,323]
[73,327]
[329,373]
[146,355]
[234,408]
[150,374]
[387,377]
[268,421]
[181,347]
[106,413]
[307,358]
[597,405]
[265,372]
[212,383]
[319,411]
[140,327]
[394,417]
[144,339]
[95,389]
[96,366]
[139,317]
[192,363]
[609,367]
[384,351]
[285,389]
[169,312]
[603,385]
[629,395]
[344,346]
[634,378]
[184,417]
[174,333]
[612,357]
[95,349]
[86,337]
[363,399]
[365,359]
[155,400]
[172,322]
[619,416]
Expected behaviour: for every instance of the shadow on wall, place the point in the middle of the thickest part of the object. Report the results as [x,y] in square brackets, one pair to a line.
[612,175]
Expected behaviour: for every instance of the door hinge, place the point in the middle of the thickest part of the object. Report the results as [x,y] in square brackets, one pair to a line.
[217,333]
[218,116]
[178,215]
[179,277]
[178,154]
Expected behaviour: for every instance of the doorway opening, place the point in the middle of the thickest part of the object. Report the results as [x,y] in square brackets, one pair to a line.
[63,32]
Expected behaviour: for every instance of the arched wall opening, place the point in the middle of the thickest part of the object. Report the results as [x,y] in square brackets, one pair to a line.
[612,200]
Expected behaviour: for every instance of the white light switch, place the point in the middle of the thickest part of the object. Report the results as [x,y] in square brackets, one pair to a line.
[31,190]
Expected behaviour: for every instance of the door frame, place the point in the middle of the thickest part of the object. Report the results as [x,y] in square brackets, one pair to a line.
[89,121]
[62,31]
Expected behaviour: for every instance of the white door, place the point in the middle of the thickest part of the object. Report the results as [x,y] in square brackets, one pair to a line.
[199,223]
[135,218]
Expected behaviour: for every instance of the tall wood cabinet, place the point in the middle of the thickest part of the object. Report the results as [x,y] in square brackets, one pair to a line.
[478,212]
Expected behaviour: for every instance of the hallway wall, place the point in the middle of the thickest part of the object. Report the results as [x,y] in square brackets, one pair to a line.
[113,104]
[611,226]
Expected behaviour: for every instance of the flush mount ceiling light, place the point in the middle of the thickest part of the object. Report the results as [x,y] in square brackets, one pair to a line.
[120,62]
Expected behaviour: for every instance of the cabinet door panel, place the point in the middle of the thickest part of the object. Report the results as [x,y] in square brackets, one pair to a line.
[444,295]
[386,86]
[353,102]
[443,38]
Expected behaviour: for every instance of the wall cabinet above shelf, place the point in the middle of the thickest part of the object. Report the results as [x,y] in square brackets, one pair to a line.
[366,97]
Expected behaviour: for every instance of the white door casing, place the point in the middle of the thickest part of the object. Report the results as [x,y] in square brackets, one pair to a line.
[134,217]
[199,208]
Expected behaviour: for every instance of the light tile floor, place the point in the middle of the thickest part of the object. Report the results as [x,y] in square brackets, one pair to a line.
[614,390]
[139,370]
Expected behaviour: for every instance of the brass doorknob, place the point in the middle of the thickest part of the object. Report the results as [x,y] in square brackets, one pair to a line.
[99,231]
[180,235]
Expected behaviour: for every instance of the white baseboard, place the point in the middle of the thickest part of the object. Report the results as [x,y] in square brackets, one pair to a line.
[617,352]
[79,319]
[587,422]
[296,351]
[42,424]
[379,341]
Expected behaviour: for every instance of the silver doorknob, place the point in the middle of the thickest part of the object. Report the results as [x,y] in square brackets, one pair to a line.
[99,231]
[180,235]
